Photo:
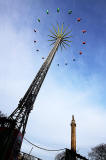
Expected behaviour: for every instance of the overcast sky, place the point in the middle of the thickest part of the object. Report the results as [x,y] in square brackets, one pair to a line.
[78,88]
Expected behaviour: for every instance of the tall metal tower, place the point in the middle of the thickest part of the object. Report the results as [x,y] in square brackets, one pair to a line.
[21,113]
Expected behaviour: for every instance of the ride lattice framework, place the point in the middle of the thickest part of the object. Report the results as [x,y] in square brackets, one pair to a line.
[25,106]
[21,113]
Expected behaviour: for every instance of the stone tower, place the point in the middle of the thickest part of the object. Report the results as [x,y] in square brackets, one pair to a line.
[73,134]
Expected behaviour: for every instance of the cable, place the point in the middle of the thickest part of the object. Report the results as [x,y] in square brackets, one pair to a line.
[43,148]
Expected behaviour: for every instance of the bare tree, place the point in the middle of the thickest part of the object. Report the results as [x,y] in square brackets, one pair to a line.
[60,156]
[98,152]
[2,115]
